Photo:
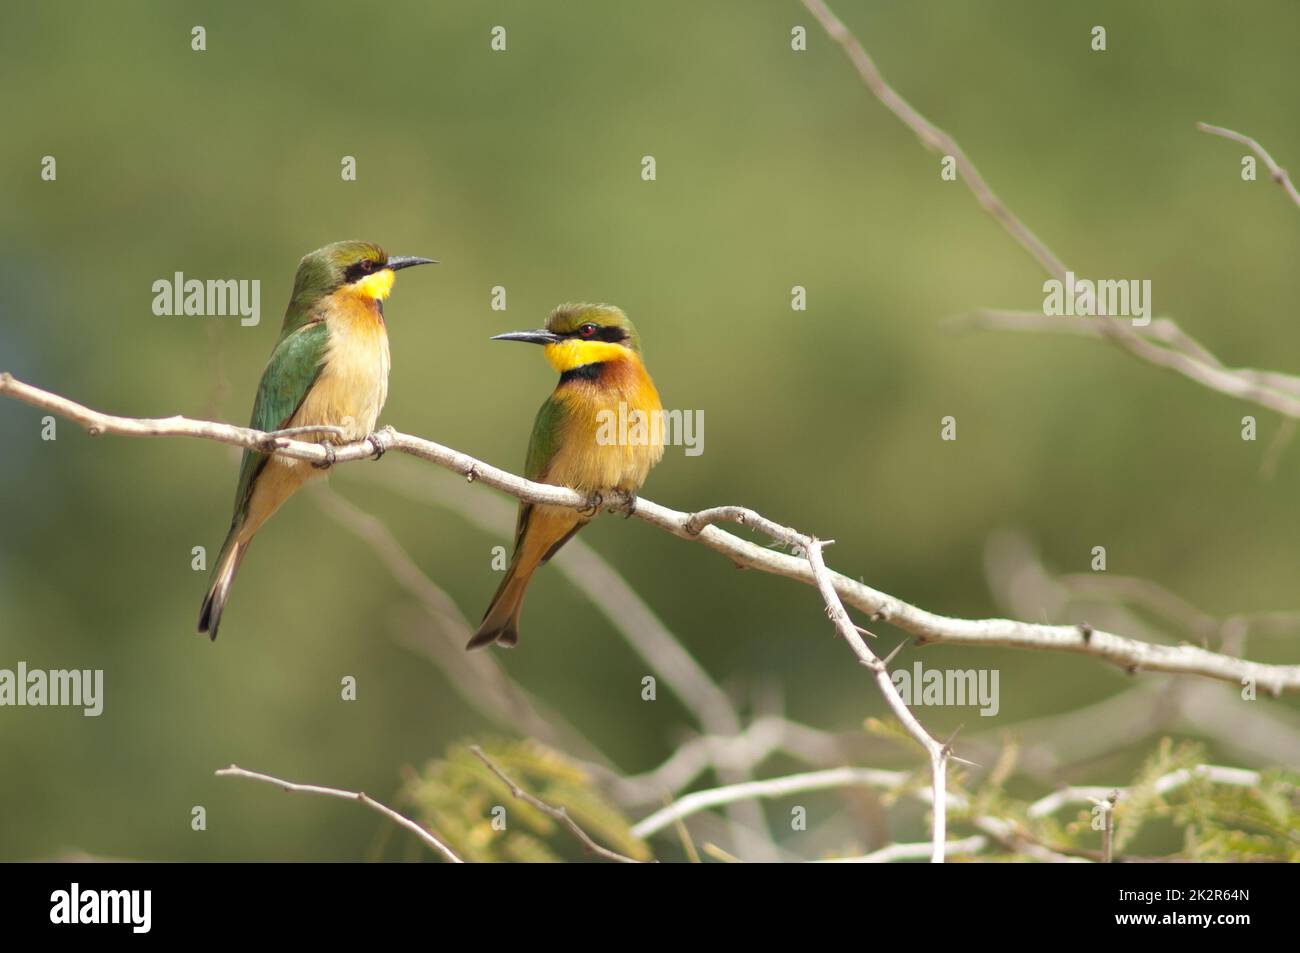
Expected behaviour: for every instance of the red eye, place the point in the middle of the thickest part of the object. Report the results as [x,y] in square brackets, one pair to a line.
[587,330]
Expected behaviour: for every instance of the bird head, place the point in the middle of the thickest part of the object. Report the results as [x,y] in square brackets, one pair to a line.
[362,269]
[579,334]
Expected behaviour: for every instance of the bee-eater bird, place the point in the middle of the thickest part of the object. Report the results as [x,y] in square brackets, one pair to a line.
[329,368]
[597,352]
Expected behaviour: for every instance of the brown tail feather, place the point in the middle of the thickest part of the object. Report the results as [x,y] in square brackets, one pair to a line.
[501,621]
[232,554]
[546,529]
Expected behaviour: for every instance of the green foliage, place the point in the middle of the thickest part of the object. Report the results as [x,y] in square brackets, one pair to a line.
[1234,824]
[1218,821]
[460,797]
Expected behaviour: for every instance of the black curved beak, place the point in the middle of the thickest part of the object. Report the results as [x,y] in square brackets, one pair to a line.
[398,262]
[540,336]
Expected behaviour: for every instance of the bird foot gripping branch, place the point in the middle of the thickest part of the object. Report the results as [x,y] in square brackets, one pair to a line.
[381,440]
[612,501]
[330,457]
[624,501]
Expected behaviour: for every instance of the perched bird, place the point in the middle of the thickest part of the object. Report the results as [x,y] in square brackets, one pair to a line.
[580,440]
[329,367]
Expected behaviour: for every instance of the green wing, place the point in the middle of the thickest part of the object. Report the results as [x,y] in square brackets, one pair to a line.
[290,373]
[542,446]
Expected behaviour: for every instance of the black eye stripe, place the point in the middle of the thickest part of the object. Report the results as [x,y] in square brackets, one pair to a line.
[360,269]
[612,334]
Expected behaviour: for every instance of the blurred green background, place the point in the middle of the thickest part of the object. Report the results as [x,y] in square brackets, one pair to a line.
[522,169]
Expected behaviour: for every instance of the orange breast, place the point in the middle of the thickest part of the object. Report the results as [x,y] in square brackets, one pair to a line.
[614,432]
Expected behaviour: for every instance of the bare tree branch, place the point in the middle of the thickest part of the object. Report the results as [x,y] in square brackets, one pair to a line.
[1234,777]
[763,737]
[1197,364]
[937,751]
[426,835]
[1022,585]
[900,781]
[698,801]
[892,852]
[932,136]
[1269,389]
[1129,654]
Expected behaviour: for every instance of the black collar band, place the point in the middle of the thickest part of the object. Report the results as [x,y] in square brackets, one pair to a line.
[583,372]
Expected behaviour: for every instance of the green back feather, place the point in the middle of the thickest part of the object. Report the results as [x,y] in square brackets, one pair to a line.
[290,373]
[542,447]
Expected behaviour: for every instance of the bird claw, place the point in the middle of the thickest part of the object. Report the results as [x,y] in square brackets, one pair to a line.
[626,502]
[593,505]
[329,457]
[375,441]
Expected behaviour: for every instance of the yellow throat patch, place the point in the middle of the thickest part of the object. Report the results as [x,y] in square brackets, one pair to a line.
[374,287]
[571,353]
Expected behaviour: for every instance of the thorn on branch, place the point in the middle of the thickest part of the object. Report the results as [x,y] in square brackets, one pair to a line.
[894,654]
[947,745]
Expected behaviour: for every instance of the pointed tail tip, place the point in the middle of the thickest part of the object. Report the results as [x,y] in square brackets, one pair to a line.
[505,636]
[209,617]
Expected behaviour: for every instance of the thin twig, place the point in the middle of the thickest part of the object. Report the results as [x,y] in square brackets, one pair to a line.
[560,813]
[1275,171]
[1107,805]
[420,831]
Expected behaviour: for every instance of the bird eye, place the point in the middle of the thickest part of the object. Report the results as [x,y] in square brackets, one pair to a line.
[587,330]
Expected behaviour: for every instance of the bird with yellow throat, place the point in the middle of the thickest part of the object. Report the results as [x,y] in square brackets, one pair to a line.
[597,353]
[328,369]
